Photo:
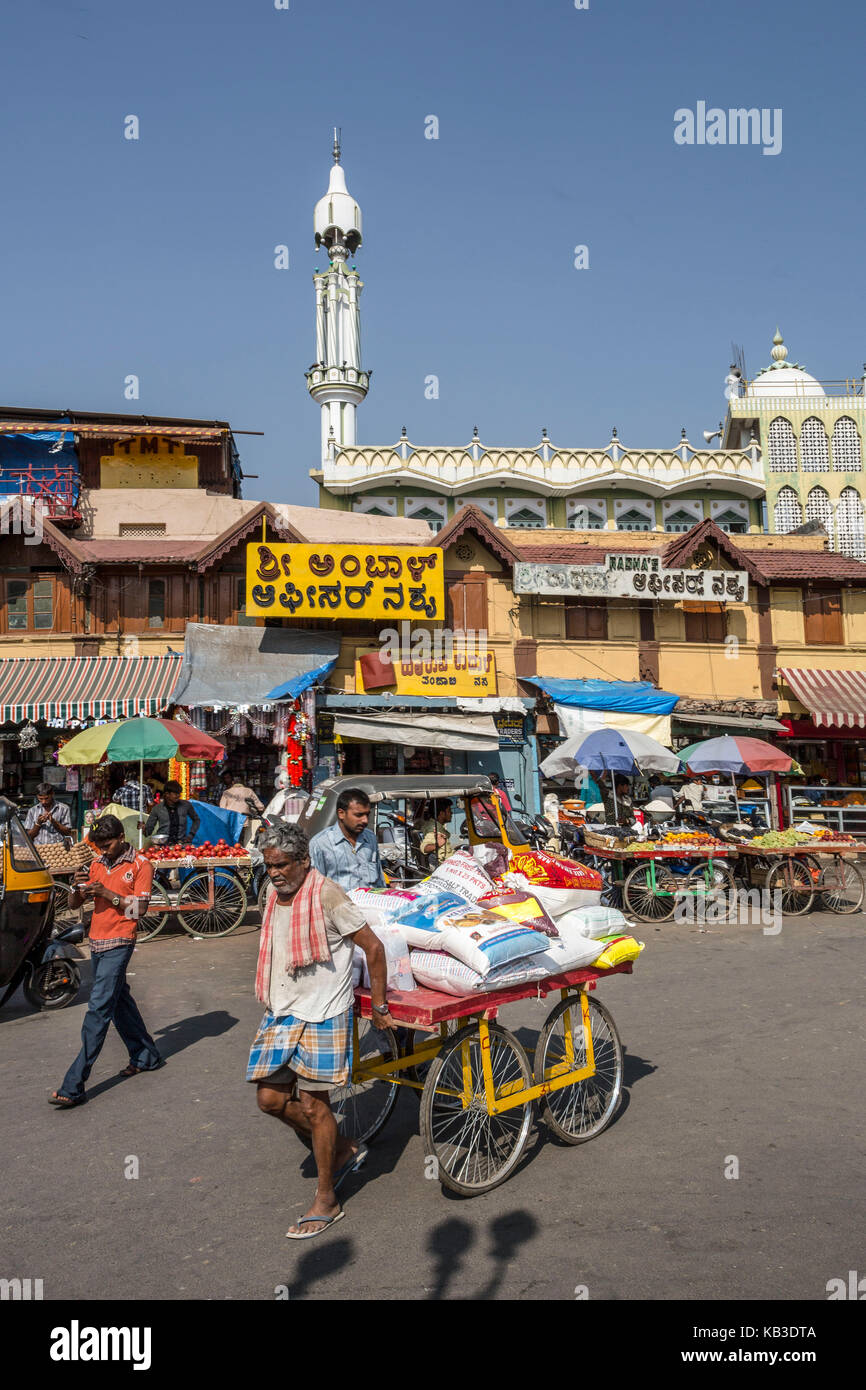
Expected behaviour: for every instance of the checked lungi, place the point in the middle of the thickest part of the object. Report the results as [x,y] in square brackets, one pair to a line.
[314,1051]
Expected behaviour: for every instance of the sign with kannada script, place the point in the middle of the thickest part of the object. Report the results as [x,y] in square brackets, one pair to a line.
[631,576]
[471,674]
[340,581]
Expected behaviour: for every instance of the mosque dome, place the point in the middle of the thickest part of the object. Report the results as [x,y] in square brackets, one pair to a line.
[784,378]
[337,217]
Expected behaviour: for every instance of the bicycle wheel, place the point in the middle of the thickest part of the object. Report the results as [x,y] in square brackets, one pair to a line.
[792,880]
[648,903]
[229,903]
[158,913]
[580,1111]
[712,886]
[475,1151]
[841,887]
[361,1108]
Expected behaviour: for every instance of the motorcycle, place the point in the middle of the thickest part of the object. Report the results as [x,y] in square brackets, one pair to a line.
[34,953]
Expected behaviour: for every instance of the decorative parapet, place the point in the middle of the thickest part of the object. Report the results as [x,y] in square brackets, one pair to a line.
[545,469]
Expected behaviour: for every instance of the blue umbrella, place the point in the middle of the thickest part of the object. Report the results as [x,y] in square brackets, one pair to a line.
[611,750]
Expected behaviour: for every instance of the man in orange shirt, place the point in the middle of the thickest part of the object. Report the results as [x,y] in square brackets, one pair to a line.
[118,884]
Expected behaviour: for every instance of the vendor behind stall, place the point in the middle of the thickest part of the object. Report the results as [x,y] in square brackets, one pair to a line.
[47,822]
[175,821]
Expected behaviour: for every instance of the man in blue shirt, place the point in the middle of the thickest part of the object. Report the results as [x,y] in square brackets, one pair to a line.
[347,852]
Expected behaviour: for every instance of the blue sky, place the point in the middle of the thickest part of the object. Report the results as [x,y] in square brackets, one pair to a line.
[155,256]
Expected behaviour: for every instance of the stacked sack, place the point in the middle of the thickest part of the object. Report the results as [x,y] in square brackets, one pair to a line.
[462,930]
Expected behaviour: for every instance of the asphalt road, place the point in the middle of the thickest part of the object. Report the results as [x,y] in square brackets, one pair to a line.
[738,1045]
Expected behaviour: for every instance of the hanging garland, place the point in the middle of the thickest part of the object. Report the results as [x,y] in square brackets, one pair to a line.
[179,772]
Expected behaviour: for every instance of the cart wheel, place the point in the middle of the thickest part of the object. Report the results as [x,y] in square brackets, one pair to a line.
[841,887]
[792,879]
[580,1111]
[362,1108]
[715,886]
[422,1071]
[475,1151]
[229,903]
[158,913]
[648,903]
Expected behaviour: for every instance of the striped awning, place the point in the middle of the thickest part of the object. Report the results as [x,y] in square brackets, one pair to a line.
[86,687]
[831,697]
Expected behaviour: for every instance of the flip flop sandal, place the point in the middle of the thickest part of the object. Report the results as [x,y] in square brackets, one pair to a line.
[130,1070]
[352,1165]
[311,1235]
[65,1102]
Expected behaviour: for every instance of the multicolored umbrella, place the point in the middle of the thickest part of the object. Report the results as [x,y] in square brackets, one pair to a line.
[735,754]
[610,750]
[140,740]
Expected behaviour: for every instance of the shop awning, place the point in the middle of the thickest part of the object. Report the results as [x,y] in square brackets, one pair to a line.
[734,721]
[469,733]
[574,721]
[228,666]
[831,697]
[630,697]
[86,687]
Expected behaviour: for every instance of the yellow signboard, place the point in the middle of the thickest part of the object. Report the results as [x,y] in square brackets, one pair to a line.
[148,460]
[472,675]
[341,581]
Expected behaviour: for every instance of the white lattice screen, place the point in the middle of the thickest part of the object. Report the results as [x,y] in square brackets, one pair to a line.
[782,446]
[846,446]
[787,513]
[849,525]
[587,513]
[140,530]
[814,449]
[818,508]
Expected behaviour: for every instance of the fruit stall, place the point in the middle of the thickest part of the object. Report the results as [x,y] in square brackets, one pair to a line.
[204,886]
[807,869]
[653,875]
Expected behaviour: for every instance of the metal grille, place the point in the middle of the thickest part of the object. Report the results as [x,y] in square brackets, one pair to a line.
[850,538]
[782,446]
[787,513]
[814,450]
[846,446]
[819,508]
[140,530]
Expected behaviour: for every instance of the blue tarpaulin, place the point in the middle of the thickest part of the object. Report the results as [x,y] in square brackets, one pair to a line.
[635,697]
[217,824]
[290,690]
[41,459]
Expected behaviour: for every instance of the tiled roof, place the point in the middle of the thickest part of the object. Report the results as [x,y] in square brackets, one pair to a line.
[779,564]
[156,550]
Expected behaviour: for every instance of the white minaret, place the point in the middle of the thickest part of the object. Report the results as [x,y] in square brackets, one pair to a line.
[336,380]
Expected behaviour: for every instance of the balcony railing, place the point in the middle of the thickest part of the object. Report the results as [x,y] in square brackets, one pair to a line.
[55,488]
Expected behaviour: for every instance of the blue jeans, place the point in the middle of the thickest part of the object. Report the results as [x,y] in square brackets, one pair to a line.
[111,1001]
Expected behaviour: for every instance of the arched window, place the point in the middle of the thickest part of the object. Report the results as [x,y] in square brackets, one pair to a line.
[850,538]
[814,452]
[782,446]
[818,508]
[787,513]
[846,446]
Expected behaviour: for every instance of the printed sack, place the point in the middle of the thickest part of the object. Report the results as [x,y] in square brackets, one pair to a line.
[383,902]
[484,940]
[521,907]
[552,870]
[570,951]
[555,901]
[436,970]
[419,920]
[459,873]
[595,921]
[617,950]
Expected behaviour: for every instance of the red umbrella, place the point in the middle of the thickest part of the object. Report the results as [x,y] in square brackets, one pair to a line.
[736,754]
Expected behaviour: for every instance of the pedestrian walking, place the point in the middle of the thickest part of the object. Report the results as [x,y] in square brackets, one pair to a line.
[304,979]
[118,883]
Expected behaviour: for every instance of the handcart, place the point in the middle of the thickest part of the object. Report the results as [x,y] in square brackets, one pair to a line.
[477,1086]
[825,870]
[655,883]
[208,895]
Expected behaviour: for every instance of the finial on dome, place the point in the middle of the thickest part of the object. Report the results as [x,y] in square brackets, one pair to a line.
[338,131]
[780,352]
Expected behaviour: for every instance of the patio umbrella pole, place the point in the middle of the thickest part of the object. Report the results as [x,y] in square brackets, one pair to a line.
[140,801]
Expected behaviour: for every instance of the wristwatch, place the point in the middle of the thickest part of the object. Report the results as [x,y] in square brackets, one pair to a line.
[379,1008]
[116,901]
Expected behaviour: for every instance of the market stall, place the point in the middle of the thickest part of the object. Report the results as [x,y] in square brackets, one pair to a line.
[654,876]
[806,869]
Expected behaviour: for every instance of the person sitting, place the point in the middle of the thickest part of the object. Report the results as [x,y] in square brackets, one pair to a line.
[435,838]
[347,851]
[48,822]
[175,821]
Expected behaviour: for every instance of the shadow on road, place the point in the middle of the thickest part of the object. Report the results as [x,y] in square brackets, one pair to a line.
[321,1261]
[175,1037]
[450,1242]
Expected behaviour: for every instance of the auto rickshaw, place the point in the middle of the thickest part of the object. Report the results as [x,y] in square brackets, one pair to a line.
[30,955]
